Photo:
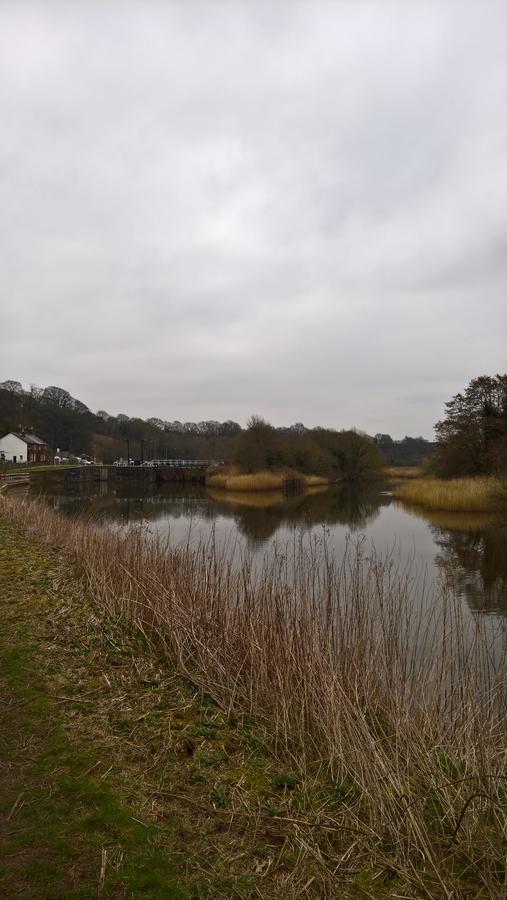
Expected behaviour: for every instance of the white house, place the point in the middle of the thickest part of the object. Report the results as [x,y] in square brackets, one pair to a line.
[22,447]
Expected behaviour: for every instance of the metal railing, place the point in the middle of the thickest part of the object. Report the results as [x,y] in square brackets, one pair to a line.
[12,478]
[175,463]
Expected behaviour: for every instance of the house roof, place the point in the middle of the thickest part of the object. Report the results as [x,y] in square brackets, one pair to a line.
[28,438]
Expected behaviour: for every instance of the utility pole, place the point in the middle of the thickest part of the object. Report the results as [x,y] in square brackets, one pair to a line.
[128,452]
[142,451]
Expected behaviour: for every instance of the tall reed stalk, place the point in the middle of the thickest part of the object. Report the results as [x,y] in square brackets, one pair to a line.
[379,688]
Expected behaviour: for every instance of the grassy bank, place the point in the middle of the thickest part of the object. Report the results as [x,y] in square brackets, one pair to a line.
[385,763]
[67,828]
[455,495]
[119,777]
[233,480]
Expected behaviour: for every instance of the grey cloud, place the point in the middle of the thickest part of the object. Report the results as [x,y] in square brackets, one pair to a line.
[296,209]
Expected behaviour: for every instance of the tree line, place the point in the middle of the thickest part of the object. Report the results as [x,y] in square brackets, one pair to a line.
[66,423]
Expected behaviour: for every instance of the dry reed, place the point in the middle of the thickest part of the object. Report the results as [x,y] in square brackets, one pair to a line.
[403,471]
[391,698]
[257,481]
[455,495]
[315,480]
[261,481]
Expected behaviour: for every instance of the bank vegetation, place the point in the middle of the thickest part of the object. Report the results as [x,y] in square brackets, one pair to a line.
[232,479]
[348,455]
[480,494]
[401,472]
[269,460]
[386,708]
[467,472]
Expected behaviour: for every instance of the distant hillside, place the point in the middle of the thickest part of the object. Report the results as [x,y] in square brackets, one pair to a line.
[66,423]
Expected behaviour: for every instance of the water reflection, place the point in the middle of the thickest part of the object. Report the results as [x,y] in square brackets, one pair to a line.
[472,550]
[479,563]
[258,516]
[469,549]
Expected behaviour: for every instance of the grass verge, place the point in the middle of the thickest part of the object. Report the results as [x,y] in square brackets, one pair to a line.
[65,831]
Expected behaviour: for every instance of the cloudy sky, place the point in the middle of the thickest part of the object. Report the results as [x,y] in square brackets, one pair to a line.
[295,209]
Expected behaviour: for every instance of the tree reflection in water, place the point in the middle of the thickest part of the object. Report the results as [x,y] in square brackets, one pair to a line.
[472,552]
[349,505]
[257,516]
[477,565]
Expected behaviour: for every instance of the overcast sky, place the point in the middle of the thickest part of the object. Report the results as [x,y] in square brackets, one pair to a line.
[299,210]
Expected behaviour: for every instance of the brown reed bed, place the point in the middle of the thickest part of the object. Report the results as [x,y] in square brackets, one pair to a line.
[479,494]
[385,702]
[397,472]
[234,480]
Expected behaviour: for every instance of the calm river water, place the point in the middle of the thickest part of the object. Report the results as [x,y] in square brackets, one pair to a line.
[468,550]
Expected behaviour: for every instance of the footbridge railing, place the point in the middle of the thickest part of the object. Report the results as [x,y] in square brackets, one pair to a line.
[176,463]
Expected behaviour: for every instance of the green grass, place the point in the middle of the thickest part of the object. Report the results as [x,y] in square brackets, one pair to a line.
[61,827]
